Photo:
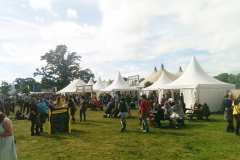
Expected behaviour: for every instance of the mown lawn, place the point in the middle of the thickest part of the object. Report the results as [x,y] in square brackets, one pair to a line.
[100,138]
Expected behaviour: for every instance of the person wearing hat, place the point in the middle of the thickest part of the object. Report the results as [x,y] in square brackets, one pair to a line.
[144,110]
[7,142]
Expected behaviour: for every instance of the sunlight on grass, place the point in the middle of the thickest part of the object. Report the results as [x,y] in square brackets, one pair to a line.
[100,138]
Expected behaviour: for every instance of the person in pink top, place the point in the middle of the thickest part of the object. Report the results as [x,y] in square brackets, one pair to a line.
[144,109]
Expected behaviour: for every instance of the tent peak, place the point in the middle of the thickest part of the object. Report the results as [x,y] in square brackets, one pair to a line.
[162,66]
[180,69]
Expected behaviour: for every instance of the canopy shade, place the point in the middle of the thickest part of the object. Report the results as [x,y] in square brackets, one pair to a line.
[72,87]
[119,85]
[194,76]
[90,82]
[99,85]
[163,80]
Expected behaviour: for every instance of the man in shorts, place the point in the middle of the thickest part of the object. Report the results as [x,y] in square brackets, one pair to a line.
[42,110]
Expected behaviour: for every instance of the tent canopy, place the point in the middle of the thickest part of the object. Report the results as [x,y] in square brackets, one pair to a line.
[163,80]
[72,87]
[90,82]
[119,85]
[195,76]
[99,85]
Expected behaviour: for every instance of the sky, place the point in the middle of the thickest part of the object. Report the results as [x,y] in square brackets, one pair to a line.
[130,36]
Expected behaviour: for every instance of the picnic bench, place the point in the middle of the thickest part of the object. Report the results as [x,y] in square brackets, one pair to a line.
[199,113]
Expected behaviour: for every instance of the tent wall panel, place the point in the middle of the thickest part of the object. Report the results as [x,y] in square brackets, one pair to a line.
[213,97]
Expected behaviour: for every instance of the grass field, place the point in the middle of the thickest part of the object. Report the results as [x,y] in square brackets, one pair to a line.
[100,138]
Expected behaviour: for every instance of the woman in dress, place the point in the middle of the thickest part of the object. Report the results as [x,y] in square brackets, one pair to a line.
[123,111]
[7,142]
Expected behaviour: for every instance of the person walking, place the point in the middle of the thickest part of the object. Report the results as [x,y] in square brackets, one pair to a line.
[14,101]
[7,142]
[144,109]
[123,111]
[42,111]
[236,112]
[228,113]
[26,103]
[7,104]
[33,117]
[83,109]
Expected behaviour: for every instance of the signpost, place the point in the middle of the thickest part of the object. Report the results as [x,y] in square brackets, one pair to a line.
[59,120]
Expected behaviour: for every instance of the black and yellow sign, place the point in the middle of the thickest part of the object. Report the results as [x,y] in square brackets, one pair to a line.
[59,120]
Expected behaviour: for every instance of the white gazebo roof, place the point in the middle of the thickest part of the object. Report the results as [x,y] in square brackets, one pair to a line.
[163,80]
[72,87]
[194,76]
[99,85]
[90,82]
[119,85]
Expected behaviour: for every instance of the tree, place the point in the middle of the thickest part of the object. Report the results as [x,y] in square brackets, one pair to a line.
[142,79]
[147,84]
[25,89]
[5,87]
[222,77]
[62,67]
[125,79]
[232,78]
[85,75]
[29,82]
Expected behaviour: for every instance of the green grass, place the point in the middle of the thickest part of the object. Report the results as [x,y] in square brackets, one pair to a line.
[100,138]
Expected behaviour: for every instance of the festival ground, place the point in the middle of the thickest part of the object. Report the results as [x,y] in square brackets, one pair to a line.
[100,138]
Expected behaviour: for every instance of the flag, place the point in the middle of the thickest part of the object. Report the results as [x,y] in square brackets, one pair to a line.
[33,87]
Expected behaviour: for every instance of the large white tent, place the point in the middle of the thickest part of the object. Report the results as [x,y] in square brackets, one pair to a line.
[196,84]
[90,82]
[157,86]
[163,80]
[99,85]
[119,85]
[72,87]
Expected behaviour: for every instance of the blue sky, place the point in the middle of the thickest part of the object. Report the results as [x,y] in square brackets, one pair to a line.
[120,35]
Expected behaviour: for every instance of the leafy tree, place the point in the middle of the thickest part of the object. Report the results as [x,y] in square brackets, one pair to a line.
[125,79]
[222,77]
[232,78]
[5,87]
[26,82]
[25,89]
[142,79]
[147,84]
[85,75]
[62,67]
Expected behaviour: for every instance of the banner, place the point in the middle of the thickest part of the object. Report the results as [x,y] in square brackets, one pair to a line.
[33,87]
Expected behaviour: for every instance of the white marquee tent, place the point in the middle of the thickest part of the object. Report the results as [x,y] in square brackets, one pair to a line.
[119,85]
[163,80]
[196,84]
[72,87]
[90,82]
[99,85]
[157,86]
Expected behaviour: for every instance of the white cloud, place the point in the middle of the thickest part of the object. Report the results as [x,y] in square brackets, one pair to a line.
[72,13]
[41,4]
[40,19]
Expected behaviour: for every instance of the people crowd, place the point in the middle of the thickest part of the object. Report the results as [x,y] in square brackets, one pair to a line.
[35,107]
